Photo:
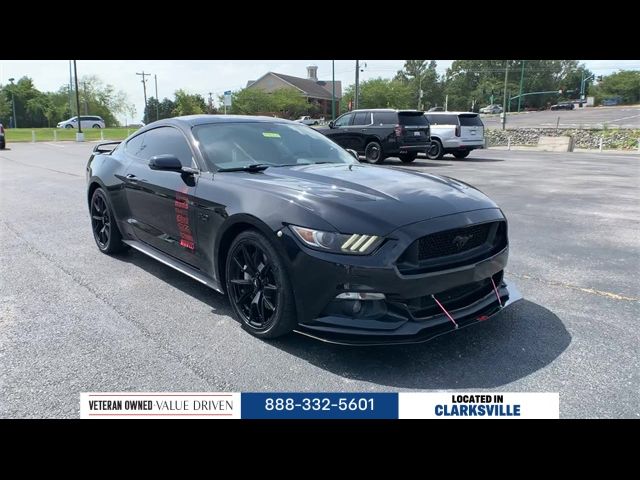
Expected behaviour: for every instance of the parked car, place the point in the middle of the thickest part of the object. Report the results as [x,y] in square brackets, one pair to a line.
[381,133]
[297,233]
[307,120]
[86,122]
[454,132]
[491,109]
[610,102]
[563,106]
[3,142]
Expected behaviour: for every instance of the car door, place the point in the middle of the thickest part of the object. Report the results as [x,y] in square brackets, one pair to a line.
[340,132]
[361,128]
[160,202]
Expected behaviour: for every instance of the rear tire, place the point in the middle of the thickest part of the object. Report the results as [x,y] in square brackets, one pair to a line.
[258,286]
[435,151]
[461,154]
[2,146]
[373,153]
[96,126]
[407,157]
[103,224]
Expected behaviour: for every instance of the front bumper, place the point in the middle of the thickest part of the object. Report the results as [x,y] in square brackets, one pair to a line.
[408,314]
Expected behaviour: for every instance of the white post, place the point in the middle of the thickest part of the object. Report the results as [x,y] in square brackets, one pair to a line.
[128,132]
[55,135]
[101,134]
[33,136]
[509,143]
[600,144]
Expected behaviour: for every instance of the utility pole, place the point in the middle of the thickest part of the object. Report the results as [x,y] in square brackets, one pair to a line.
[355,101]
[333,89]
[79,135]
[144,90]
[70,90]
[504,100]
[521,84]
[155,77]
[210,102]
[420,93]
[86,104]
[582,86]
[14,123]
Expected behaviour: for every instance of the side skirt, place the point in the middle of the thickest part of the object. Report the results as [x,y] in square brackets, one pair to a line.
[175,264]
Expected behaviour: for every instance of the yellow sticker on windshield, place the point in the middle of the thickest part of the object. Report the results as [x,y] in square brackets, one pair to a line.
[271,134]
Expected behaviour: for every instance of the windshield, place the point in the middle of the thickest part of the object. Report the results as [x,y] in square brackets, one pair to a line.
[237,145]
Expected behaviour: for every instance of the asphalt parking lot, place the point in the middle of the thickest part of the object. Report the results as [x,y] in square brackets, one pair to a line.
[74,320]
[588,117]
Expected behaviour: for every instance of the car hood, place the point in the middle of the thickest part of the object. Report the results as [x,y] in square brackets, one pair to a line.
[363,198]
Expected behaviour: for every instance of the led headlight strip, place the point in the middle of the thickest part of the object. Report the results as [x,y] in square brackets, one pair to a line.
[358,243]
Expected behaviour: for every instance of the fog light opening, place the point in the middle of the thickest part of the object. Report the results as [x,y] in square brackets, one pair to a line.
[360,296]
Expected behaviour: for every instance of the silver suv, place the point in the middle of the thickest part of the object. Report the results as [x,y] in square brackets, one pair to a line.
[86,122]
[454,132]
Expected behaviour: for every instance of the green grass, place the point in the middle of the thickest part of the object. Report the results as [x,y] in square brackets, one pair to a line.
[47,134]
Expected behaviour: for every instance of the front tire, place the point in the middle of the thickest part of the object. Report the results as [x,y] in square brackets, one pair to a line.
[103,224]
[435,151]
[464,154]
[373,153]
[258,286]
[68,126]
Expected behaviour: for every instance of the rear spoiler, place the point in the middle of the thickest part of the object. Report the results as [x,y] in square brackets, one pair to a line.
[100,147]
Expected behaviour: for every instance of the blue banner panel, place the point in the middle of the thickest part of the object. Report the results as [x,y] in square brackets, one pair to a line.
[319,405]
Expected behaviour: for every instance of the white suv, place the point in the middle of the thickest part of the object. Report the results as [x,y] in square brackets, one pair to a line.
[86,122]
[454,132]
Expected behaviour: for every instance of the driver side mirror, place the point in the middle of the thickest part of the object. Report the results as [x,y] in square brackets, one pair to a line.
[332,124]
[353,153]
[166,162]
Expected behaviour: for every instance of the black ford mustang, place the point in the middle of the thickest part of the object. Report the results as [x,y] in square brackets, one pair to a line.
[298,233]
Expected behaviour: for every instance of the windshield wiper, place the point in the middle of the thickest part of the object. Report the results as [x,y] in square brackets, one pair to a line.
[254,167]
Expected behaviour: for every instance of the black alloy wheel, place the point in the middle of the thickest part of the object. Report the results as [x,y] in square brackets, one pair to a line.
[258,287]
[373,153]
[105,231]
[435,150]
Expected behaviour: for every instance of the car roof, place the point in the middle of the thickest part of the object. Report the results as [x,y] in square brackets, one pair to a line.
[452,113]
[384,110]
[193,120]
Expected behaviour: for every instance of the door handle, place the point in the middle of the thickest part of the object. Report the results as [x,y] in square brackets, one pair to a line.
[130,176]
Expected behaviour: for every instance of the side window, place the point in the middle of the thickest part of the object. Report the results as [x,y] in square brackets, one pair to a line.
[385,118]
[134,145]
[362,118]
[164,140]
[344,120]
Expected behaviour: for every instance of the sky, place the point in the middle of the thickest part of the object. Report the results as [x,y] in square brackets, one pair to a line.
[215,76]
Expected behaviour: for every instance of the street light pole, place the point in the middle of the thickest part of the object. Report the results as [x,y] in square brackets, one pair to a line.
[521,84]
[13,105]
[155,77]
[357,92]
[504,100]
[582,85]
[333,89]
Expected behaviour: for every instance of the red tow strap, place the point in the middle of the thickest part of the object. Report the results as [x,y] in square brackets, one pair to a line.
[445,311]
[496,290]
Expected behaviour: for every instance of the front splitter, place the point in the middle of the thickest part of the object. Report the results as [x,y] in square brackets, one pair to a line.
[428,333]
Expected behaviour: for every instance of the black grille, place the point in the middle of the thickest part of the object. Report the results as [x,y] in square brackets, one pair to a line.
[450,242]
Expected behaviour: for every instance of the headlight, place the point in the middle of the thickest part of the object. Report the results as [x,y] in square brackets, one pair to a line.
[354,244]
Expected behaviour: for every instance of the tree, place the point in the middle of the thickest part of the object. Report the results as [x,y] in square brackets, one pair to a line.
[420,75]
[625,84]
[285,102]
[188,104]
[381,93]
